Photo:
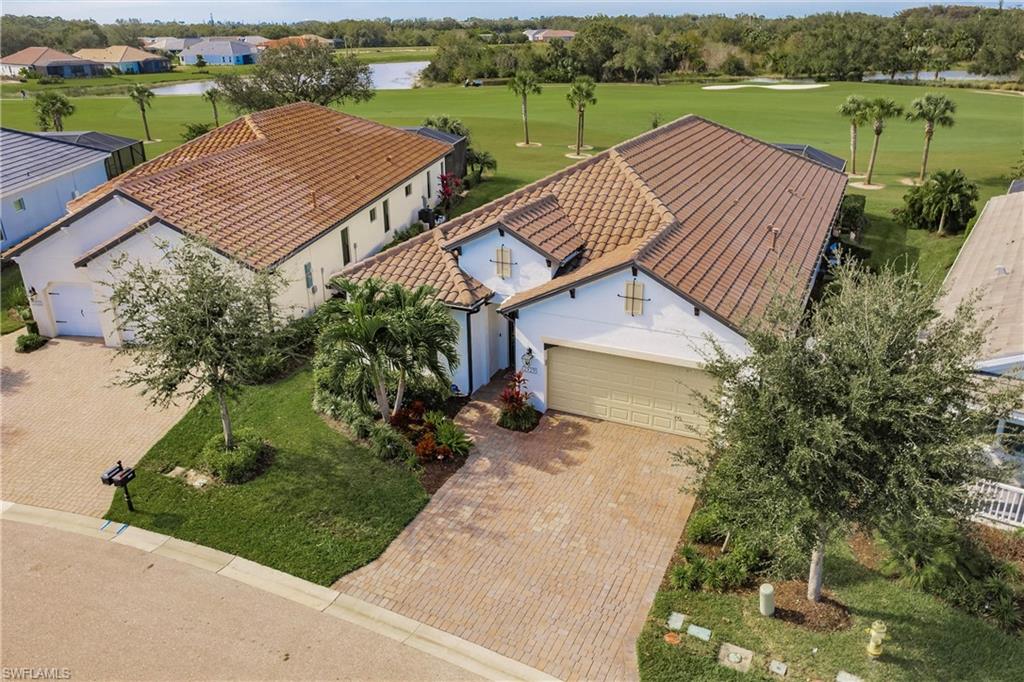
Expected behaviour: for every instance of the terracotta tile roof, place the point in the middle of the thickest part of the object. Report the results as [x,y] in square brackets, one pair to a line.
[692,203]
[40,56]
[422,261]
[115,54]
[267,184]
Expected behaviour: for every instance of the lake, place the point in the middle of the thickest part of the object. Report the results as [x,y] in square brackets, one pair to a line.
[943,75]
[393,76]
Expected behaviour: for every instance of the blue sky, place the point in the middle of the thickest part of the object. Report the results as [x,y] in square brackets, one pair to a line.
[296,10]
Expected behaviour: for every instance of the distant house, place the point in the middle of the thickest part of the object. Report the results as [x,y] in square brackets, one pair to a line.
[539,35]
[49,62]
[253,40]
[220,52]
[124,152]
[302,41]
[170,45]
[127,59]
[38,177]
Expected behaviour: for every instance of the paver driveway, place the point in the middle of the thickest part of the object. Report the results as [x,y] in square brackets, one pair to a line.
[546,547]
[64,422]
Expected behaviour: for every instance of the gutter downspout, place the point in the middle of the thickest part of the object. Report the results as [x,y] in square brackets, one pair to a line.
[469,348]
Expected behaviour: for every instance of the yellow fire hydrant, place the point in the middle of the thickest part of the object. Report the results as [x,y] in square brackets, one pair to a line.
[877,636]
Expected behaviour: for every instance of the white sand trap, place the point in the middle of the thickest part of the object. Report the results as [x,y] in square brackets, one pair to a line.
[779,86]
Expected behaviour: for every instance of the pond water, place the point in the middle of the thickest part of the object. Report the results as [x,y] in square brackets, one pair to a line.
[394,76]
[943,75]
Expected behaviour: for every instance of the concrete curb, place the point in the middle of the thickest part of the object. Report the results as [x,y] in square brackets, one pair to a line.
[455,650]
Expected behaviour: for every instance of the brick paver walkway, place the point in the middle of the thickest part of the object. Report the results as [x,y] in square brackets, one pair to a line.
[546,547]
[64,422]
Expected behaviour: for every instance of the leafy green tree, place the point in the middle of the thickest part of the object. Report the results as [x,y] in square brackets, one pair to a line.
[292,74]
[51,110]
[143,98]
[945,203]
[639,51]
[855,110]
[934,110]
[378,335]
[581,94]
[863,410]
[879,110]
[201,323]
[594,45]
[212,96]
[449,124]
[524,84]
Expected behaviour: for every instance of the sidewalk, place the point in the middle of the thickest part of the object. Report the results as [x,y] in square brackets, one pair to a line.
[396,628]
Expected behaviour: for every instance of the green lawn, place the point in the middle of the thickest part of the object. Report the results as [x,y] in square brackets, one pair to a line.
[928,639]
[12,294]
[984,143]
[325,506]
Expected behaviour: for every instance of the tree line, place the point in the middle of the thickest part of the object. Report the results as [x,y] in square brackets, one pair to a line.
[828,45]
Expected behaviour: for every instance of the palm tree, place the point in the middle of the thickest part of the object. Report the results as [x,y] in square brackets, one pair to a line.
[879,110]
[51,110]
[211,96]
[581,93]
[933,110]
[946,192]
[480,161]
[142,96]
[854,109]
[523,84]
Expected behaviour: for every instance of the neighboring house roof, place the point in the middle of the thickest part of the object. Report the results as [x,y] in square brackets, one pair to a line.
[269,183]
[549,33]
[301,41]
[28,158]
[92,139]
[435,134]
[991,264]
[254,40]
[169,44]
[41,56]
[692,203]
[219,47]
[116,54]
[1016,186]
[814,154]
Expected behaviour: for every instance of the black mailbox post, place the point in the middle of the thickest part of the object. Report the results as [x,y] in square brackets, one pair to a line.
[119,476]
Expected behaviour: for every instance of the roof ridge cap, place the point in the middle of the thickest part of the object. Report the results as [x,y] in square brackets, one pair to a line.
[642,186]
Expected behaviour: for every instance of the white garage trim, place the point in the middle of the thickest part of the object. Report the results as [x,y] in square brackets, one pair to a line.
[622,352]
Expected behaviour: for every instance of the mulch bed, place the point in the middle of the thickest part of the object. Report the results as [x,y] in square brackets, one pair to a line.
[792,606]
[436,472]
[1001,544]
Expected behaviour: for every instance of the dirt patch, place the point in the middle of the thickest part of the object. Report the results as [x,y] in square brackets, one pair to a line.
[792,606]
[865,550]
[1001,544]
[436,472]
[864,185]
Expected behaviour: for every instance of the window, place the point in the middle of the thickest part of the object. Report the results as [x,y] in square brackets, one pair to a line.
[346,250]
[408,189]
[503,262]
[429,190]
[19,204]
[387,217]
[634,298]
[373,214]
[308,267]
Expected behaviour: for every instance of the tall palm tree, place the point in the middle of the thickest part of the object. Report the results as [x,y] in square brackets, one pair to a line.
[581,93]
[933,110]
[212,96]
[51,110]
[944,193]
[879,110]
[142,96]
[524,84]
[854,110]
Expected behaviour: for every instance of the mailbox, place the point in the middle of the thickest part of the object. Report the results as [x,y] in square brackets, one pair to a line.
[107,477]
[119,475]
[122,477]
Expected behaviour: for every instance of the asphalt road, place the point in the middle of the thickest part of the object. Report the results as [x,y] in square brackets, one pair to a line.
[107,611]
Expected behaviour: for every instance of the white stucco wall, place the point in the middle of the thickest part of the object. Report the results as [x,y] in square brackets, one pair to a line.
[481,323]
[529,268]
[668,330]
[46,201]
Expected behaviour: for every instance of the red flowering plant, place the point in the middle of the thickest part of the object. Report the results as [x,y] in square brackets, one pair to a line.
[517,414]
[449,190]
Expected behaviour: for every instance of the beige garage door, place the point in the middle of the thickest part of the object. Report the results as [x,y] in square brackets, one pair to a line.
[624,390]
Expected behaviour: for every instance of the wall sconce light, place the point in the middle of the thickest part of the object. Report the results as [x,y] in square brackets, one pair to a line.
[527,357]
[32,293]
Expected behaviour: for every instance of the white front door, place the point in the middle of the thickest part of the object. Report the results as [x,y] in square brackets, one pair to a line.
[74,310]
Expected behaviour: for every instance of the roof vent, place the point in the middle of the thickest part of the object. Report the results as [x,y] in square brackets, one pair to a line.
[775,238]
[388,157]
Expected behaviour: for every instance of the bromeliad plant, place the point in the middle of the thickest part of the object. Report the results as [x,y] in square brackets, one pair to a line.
[517,414]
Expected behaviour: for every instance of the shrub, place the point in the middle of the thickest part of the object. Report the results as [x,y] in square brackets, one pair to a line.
[191,131]
[431,393]
[405,235]
[517,414]
[26,343]
[293,343]
[852,219]
[731,571]
[242,463]
[451,436]
[50,80]
[705,527]
[388,444]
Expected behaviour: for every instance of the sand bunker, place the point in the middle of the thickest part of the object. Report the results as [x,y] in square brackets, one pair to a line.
[778,86]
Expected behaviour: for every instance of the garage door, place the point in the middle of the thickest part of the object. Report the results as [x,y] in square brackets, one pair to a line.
[624,390]
[74,310]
